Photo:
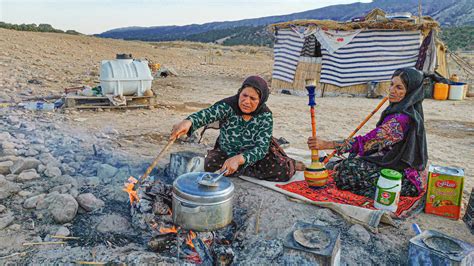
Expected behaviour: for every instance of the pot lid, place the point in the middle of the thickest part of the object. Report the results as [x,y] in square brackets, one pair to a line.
[187,187]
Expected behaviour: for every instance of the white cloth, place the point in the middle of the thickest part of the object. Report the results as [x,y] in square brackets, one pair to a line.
[332,40]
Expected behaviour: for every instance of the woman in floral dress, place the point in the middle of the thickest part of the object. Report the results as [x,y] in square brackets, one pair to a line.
[245,145]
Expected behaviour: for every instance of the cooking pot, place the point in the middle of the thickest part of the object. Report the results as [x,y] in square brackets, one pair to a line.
[199,207]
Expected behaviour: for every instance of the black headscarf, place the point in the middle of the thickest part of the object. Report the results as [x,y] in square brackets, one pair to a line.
[258,84]
[412,152]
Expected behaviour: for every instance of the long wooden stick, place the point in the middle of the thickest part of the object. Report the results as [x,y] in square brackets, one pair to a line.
[43,243]
[359,127]
[158,157]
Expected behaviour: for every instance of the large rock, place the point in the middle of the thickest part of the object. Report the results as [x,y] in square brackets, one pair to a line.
[113,223]
[7,188]
[360,233]
[47,158]
[6,219]
[106,171]
[52,171]
[89,202]
[5,167]
[24,164]
[6,145]
[28,175]
[2,208]
[32,202]
[63,208]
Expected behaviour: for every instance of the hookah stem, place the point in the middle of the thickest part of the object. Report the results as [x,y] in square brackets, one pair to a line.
[359,126]
[314,153]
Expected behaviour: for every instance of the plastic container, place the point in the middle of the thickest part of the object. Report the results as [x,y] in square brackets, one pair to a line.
[125,77]
[39,106]
[440,91]
[456,91]
[388,189]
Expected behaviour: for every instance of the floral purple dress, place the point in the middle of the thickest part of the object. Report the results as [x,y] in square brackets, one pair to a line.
[359,176]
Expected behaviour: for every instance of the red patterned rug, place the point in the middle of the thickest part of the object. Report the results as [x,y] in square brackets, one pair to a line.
[330,193]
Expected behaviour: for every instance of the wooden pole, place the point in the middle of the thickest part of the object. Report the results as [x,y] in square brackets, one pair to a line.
[359,126]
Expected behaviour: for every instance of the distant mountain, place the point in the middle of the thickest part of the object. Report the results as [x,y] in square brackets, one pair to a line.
[450,13]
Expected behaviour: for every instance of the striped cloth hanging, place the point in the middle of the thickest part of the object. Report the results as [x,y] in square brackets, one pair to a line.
[287,50]
[373,55]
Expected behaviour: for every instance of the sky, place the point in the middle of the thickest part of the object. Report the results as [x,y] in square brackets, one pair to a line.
[97,16]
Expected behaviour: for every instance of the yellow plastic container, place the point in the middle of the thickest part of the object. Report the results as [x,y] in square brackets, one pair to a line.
[441,91]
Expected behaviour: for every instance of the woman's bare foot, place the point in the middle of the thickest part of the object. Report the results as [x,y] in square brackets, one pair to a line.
[299,166]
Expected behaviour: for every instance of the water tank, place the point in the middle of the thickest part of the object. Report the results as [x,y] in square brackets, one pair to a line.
[125,76]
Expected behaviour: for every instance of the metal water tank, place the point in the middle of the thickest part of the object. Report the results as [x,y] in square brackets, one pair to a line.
[125,76]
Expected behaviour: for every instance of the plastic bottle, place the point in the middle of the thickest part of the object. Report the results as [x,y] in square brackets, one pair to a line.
[39,106]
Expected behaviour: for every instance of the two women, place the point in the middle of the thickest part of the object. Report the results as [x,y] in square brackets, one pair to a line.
[398,142]
[245,145]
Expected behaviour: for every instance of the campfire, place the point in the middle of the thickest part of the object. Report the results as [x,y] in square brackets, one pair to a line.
[152,214]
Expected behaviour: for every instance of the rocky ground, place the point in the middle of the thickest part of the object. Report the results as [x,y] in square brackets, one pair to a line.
[62,173]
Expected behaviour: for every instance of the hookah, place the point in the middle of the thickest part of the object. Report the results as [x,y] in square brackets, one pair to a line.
[315,174]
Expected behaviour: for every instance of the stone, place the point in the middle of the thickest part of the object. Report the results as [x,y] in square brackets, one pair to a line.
[47,158]
[106,171]
[2,208]
[66,169]
[24,164]
[63,208]
[74,192]
[89,202]
[92,181]
[31,152]
[6,219]
[32,202]
[6,145]
[113,223]
[14,227]
[5,136]
[24,193]
[360,233]
[10,152]
[9,158]
[63,231]
[185,162]
[52,171]
[63,180]
[27,175]
[5,167]
[41,168]
[62,189]
[8,188]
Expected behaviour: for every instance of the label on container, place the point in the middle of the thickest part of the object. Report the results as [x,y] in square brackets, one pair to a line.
[386,197]
[444,195]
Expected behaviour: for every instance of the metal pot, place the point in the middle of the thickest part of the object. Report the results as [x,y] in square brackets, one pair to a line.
[202,208]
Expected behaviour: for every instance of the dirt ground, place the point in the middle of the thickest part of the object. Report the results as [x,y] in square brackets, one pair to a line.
[208,73]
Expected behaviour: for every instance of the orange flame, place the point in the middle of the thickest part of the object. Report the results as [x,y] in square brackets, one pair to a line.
[189,239]
[165,230]
[132,194]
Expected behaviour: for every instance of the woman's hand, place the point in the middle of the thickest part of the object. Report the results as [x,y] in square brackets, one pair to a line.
[232,164]
[180,129]
[319,144]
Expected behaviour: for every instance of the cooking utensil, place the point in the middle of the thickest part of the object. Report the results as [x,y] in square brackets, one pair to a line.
[200,207]
[210,181]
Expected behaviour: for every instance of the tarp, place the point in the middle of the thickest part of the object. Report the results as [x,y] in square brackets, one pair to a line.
[287,50]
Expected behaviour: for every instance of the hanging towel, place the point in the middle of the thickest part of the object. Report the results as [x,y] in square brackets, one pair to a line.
[427,54]
[332,40]
[373,55]
[287,50]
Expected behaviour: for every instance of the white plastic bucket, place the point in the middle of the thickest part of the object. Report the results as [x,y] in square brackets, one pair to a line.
[388,190]
[456,91]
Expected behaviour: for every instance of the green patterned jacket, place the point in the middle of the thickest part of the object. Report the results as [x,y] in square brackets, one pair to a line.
[237,136]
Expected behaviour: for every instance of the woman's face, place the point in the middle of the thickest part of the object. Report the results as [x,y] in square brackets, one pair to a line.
[248,100]
[397,90]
